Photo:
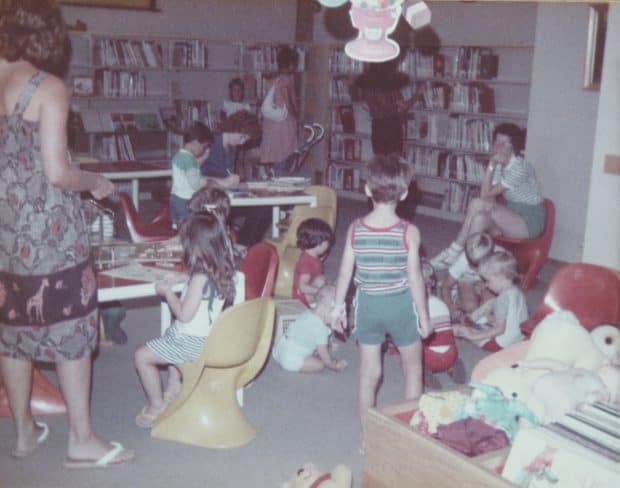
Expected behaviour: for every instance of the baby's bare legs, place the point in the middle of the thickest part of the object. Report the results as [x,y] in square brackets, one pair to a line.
[411,361]
[370,374]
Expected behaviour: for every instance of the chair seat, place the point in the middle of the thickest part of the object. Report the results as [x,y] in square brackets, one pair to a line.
[159,229]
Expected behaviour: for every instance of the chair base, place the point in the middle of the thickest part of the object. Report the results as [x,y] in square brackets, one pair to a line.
[209,416]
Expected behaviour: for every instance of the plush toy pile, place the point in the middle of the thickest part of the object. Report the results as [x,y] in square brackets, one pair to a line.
[565,365]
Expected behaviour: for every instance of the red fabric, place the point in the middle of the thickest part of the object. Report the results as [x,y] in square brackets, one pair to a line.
[472,436]
[492,346]
[309,265]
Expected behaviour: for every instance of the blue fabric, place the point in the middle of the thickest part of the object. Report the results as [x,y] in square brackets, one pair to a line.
[179,208]
[221,162]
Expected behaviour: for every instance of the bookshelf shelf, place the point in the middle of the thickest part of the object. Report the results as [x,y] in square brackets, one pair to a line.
[175,79]
[458,97]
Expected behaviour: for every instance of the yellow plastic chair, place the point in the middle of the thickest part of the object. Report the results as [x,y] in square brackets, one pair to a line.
[286,269]
[206,413]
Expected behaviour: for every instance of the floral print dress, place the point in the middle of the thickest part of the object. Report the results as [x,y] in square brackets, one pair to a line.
[48,288]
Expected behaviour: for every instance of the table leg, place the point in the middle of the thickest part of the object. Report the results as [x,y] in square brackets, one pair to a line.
[275,218]
[135,193]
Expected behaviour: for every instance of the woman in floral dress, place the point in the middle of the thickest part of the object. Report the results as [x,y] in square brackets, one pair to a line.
[48,289]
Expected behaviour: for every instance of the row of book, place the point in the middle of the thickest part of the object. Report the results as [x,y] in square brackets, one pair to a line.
[343,119]
[457,197]
[114,83]
[437,163]
[471,63]
[189,54]
[264,58]
[190,111]
[345,148]
[470,133]
[340,90]
[92,120]
[341,177]
[128,53]
[114,148]
[472,97]
[339,62]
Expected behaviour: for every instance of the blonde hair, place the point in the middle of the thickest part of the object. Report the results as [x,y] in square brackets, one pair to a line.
[478,247]
[500,263]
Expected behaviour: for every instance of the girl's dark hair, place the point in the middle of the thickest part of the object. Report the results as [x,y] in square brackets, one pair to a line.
[312,232]
[287,57]
[516,134]
[211,199]
[243,122]
[198,132]
[207,249]
[388,178]
[34,31]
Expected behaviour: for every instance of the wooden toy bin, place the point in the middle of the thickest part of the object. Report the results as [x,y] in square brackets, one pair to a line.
[397,455]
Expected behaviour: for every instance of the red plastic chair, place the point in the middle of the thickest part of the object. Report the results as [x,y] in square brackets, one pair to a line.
[46,399]
[158,229]
[531,254]
[591,292]
[259,266]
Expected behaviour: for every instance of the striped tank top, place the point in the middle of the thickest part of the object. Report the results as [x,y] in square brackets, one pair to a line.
[380,257]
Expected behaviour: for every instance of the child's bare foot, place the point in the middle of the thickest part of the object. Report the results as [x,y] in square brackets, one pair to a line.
[148,415]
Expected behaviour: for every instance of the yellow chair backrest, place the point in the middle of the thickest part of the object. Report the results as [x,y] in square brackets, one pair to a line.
[326,196]
[286,270]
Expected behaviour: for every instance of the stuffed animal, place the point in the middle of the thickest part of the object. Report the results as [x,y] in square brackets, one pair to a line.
[310,477]
[560,337]
[607,339]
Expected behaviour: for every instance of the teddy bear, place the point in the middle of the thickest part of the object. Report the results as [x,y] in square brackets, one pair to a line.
[563,367]
[310,477]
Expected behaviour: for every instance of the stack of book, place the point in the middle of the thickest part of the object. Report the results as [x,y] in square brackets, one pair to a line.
[581,449]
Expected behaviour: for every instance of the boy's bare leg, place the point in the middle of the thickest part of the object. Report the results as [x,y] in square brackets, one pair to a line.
[411,361]
[370,374]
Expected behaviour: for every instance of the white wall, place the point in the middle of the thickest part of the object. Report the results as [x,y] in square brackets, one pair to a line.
[262,20]
[561,122]
[602,232]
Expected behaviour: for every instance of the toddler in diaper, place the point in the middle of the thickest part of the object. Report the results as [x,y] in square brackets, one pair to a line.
[304,347]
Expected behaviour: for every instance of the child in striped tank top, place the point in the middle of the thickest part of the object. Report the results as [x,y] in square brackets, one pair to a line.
[390,297]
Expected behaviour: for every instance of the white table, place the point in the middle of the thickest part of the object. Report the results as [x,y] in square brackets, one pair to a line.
[129,170]
[271,197]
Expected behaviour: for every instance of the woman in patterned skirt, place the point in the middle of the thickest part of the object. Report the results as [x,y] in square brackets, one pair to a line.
[48,289]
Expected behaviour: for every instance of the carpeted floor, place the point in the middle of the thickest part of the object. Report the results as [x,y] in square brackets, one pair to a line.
[299,418]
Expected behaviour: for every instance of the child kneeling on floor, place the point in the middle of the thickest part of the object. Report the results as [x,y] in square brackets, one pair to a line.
[208,257]
[303,347]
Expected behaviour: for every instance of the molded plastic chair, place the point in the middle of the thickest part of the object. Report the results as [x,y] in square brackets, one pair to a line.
[591,292]
[259,266]
[325,197]
[206,413]
[286,270]
[159,229]
[531,254]
[46,399]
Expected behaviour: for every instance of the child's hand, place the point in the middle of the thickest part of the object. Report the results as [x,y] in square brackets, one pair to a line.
[162,287]
[338,318]
[461,331]
[339,365]
[425,329]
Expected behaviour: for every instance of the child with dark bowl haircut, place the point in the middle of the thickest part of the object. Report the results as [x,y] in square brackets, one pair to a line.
[314,238]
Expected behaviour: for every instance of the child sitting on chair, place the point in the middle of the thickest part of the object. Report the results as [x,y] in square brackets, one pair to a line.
[499,272]
[314,238]
[304,346]
[208,258]
[464,279]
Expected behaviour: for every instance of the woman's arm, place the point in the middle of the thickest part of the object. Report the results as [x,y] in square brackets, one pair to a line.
[53,128]
[488,189]
[416,281]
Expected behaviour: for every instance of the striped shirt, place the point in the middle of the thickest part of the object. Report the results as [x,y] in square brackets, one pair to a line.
[519,178]
[380,257]
[185,174]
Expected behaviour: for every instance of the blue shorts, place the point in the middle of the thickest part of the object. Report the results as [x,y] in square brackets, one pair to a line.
[534,216]
[378,315]
[179,208]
